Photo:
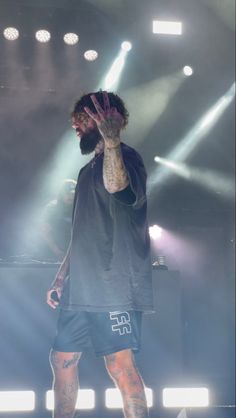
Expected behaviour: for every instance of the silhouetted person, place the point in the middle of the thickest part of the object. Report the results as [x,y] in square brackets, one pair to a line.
[55,227]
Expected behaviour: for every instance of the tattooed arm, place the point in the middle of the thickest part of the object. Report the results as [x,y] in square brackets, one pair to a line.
[59,281]
[115,175]
[110,122]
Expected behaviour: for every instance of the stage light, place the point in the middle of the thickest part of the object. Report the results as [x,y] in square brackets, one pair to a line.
[185,397]
[188,144]
[188,70]
[126,46]
[17,401]
[214,181]
[43,36]
[85,399]
[167,28]
[114,73]
[11,34]
[112,78]
[91,55]
[71,38]
[113,399]
[155,232]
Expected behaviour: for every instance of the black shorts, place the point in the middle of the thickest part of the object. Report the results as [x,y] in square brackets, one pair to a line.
[104,332]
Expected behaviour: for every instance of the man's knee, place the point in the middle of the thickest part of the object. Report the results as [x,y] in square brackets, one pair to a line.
[120,363]
[63,361]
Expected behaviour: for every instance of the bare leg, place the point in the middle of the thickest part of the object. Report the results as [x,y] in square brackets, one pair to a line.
[122,369]
[66,382]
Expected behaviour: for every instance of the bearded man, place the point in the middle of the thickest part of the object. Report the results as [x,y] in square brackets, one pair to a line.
[104,284]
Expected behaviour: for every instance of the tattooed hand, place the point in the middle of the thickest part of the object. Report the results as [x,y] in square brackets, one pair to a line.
[108,120]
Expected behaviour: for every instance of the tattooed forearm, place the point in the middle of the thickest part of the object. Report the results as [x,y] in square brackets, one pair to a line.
[62,272]
[115,175]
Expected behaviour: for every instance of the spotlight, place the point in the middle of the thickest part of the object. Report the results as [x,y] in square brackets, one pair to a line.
[43,36]
[126,46]
[91,55]
[11,34]
[85,399]
[16,401]
[113,398]
[71,38]
[185,397]
[155,232]
[188,70]
[167,28]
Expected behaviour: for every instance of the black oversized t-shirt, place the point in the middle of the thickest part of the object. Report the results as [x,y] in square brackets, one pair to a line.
[110,267]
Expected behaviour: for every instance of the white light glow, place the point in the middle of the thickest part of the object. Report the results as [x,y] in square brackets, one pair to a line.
[126,46]
[113,398]
[188,71]
[212,180]
[85,399]
[11,34]
[192,139]
[91,55]
[167,28]
[43,36]
[185,397]
[17,400]
[114,73]
[155,232]
[71,38]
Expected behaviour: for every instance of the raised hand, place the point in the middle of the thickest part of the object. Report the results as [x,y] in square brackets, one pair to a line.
[108,120]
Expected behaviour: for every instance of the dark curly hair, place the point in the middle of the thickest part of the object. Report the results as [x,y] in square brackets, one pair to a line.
[114,99]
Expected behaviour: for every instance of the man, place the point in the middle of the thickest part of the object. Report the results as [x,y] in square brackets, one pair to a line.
[108,261]
[55,225]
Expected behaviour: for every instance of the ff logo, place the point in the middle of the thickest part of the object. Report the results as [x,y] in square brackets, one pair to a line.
[121,322]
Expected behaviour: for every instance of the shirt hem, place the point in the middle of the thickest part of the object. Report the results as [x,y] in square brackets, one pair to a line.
[122,308]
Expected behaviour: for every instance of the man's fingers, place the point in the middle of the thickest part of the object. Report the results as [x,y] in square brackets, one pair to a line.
[91,114]
[106,101]
[98,108]
[53,299]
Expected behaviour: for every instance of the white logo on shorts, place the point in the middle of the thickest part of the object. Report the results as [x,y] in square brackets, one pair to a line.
[121,322]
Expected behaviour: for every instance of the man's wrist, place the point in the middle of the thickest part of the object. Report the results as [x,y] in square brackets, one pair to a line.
[112,146]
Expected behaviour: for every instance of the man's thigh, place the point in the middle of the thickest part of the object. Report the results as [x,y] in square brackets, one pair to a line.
[115,331]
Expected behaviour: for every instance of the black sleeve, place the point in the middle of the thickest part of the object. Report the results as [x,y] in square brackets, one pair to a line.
[126,196]
[135,193]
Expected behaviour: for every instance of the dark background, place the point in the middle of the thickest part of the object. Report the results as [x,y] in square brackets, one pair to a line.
[38,86]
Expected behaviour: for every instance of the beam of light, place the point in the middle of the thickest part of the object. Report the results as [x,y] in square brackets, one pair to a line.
[91,55]
[85,399]
[11,34]
[111,79]
[113,399]
[17,401]
[185,397]
[147,102]
[65,163]
[188,144]
[209,179]
[162,27]
[113,76]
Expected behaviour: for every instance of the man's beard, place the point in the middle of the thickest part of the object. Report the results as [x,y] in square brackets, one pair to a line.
[89,141]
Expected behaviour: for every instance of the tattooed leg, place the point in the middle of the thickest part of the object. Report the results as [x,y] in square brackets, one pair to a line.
[66,382]
[122,369]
